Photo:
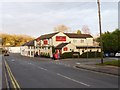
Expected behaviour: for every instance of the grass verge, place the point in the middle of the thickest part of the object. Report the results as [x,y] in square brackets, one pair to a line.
[112,63]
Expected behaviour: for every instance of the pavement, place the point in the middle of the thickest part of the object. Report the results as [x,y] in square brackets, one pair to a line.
[0,72]
[90,64]
[103,69]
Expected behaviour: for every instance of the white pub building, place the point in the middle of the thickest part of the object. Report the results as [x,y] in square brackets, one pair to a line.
[62,42]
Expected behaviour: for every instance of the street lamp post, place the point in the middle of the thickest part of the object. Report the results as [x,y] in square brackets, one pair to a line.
[101,44]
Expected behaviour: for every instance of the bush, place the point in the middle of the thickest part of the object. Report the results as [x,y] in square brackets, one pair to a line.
[1,50]
[47,55]
[69,55]
[90,55]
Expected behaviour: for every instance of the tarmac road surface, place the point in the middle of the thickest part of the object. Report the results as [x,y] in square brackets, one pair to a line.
[45,73]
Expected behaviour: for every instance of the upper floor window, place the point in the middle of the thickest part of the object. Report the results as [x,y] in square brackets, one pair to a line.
[74,41]
[45,42]
[32,47]
[82,41]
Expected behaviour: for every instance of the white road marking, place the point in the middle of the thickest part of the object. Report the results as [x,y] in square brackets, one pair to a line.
[77,63]
[43,69]
[30,63]
[73,80]
[38,67]
[67,65]
[13,60]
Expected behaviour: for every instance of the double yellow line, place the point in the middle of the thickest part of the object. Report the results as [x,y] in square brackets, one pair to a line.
[12,78]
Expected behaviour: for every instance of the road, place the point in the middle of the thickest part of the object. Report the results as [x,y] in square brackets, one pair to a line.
[47,73]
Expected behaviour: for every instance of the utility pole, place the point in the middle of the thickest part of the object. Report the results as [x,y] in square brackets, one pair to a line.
[101,44]
[87,48]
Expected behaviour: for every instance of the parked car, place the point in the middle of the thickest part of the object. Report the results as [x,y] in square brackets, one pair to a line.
[117,54]
[112,54]
[6,53]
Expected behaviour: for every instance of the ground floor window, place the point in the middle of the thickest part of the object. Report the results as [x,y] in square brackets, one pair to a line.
[28,52]
[97,50]
[90,50]
[65,48]
[32,53]
[83,51]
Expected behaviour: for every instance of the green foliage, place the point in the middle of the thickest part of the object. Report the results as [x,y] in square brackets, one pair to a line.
[47,55]
[113,63]
[69,55]
[1,50]
[111,41]
[84,55]
[14,40]
[90,55]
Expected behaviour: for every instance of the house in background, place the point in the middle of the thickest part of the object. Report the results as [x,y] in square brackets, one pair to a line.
[29,49]
[14,49]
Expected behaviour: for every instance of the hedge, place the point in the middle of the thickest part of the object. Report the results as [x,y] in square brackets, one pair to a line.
[90,55]
[69,55]
[84,55]
[1,50]
[47,55]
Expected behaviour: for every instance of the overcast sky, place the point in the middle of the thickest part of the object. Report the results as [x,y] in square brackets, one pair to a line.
[37,18]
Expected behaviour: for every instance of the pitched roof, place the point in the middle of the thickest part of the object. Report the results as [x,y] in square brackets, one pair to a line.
[47,36]
[74,35]
[30,43]
[70,35]
[87,47]
[60,46]
[25,44]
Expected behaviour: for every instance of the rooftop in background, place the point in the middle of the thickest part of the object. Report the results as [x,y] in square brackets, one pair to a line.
[30,43]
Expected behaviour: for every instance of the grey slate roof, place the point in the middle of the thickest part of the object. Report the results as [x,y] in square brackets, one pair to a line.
[47,36]
[74,35]
[70,35]
[87,47]
[60,46]
[30,43]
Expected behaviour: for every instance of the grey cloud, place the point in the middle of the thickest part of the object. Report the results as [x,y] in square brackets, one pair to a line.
[38,18]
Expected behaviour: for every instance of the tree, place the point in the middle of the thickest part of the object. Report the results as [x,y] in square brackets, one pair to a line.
[78,32]
[14,40]
[116,39]
[111,41]
[85,29]
[61,28]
